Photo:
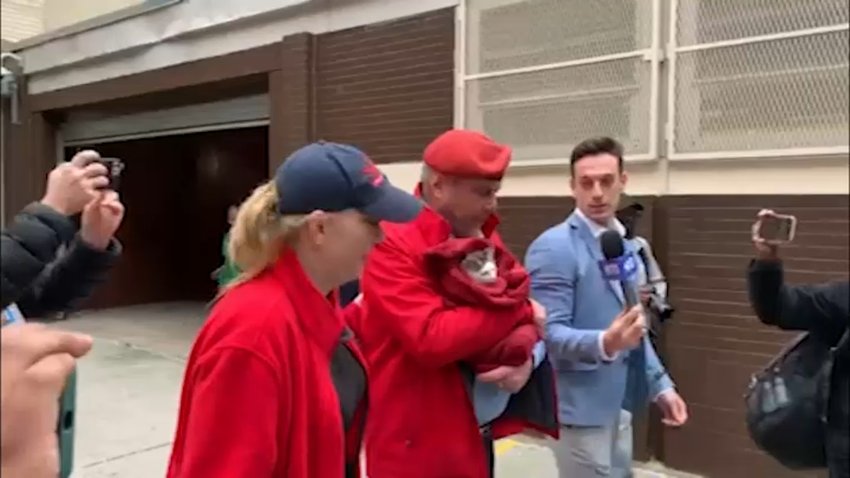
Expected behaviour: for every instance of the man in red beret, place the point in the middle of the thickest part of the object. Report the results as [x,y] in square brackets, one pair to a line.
[431,416]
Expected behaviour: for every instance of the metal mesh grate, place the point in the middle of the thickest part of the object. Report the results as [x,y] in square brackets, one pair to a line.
[504,36]
[787,92]
[544,114]
[708,21]
[543,75]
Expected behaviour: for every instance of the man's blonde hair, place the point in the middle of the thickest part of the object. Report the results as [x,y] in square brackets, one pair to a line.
[259,233]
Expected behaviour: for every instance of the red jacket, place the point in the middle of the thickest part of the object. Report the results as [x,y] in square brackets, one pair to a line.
[258,399]
[444,263]
[421,422]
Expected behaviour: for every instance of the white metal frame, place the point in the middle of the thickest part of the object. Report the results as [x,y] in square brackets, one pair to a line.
[169,132]
[460,65]
[92,127]
[673,50]
[654,54]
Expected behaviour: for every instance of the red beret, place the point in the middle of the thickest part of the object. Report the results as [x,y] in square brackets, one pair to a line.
[460,152]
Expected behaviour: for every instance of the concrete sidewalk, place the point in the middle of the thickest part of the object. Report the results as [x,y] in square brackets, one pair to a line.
[129,387]
[127,404]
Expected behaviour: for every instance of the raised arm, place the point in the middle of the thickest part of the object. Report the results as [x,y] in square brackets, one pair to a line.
[29,244]
[552,269]
[820,308]
[72,277]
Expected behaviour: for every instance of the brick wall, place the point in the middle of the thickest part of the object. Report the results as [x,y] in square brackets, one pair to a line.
[387,88]
[715,343]
[524,218]
[292,98]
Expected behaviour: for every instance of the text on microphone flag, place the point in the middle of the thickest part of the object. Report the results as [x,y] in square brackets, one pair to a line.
[623,268]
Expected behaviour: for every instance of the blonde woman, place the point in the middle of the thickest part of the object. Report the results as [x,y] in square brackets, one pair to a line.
[274,385]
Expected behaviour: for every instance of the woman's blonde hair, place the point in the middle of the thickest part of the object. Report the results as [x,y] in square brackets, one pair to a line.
[259,232]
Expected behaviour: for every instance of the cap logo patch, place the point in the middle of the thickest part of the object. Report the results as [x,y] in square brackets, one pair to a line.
[372,173]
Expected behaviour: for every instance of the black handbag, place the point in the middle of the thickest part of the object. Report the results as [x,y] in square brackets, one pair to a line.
[786,403]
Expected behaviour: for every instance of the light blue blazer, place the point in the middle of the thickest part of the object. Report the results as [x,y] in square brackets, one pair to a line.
[580,304]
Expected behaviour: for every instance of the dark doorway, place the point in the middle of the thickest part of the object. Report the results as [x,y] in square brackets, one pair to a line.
[177,190]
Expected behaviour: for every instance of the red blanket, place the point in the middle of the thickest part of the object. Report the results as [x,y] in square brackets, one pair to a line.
[509,290]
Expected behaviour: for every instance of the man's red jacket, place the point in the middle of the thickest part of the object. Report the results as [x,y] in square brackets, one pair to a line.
[258,398]
[509,289]
[421,420]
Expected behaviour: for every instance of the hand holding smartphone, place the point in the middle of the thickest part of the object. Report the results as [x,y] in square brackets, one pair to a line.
[772,230]
[114,167]
[12,316]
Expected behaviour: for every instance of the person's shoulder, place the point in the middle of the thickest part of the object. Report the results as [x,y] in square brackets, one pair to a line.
[399,232]
[641,242]
[259,297]
[400,239]
[556,238]
[250,315]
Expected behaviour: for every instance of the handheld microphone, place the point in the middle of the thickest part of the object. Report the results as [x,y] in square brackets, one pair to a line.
[619,266]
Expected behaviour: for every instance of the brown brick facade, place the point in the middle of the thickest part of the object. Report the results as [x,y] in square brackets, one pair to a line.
[29,154]
[716,344]
[387,88]
[292,98]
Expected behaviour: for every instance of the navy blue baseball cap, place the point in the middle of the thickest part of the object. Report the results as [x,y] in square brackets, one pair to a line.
[333,177]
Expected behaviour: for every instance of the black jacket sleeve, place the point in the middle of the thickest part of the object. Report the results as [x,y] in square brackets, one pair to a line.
[822,309]
[29,244]
[69,279]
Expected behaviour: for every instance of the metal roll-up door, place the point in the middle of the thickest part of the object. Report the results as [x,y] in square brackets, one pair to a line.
[88,127]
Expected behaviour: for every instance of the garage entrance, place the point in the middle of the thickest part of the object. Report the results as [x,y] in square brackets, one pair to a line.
[177,190]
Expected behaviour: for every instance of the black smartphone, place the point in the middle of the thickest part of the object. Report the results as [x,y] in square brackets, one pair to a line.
[114,168]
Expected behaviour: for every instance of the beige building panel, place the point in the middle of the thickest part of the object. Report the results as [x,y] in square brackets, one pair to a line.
[193,30]
[712,177]
[62,13]
[21,19]
[779,176]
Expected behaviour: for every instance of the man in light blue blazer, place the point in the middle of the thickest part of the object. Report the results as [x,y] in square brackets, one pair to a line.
[605,365]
